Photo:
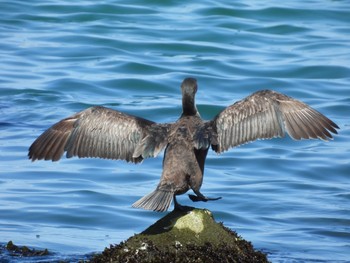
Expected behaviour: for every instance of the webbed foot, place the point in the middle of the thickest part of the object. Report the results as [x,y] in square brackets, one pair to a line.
[196,198]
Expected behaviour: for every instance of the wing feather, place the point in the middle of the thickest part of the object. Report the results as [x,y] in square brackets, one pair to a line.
[267,114]
[101,132]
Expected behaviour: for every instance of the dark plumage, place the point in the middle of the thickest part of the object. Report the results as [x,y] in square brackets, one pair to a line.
[106,133]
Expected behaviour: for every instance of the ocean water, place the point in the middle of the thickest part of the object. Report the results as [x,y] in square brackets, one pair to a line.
[290,199]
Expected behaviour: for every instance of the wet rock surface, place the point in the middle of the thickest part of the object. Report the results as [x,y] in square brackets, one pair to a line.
[12,253]
[24,251]
[183,236]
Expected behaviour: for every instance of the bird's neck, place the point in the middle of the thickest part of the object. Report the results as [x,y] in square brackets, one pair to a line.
[188,106]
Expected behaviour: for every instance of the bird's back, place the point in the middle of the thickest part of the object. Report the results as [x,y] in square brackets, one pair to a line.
[181,164]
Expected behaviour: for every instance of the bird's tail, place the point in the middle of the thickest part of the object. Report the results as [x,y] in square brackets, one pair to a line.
[158,200]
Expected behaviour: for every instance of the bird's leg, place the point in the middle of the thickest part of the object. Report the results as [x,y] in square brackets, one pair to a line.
[200,197]
[177,206]
[181,208]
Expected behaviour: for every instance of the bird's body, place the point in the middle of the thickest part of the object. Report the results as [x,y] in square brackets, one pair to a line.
[106,133]
[183,165]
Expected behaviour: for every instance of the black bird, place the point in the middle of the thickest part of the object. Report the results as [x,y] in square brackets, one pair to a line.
[106,133]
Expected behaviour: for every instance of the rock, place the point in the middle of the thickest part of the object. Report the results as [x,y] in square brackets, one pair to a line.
[183,236]
[24,251]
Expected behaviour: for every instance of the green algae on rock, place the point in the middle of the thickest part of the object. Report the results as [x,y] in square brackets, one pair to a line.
[183,236]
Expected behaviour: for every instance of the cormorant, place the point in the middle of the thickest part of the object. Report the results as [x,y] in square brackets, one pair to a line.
[106,133]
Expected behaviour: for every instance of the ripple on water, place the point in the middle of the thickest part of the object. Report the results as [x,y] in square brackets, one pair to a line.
[289,198]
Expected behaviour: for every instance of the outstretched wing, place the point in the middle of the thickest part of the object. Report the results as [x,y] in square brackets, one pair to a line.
[267,114]
[101,132]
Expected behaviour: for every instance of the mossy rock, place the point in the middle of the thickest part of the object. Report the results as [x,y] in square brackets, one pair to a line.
[183,236]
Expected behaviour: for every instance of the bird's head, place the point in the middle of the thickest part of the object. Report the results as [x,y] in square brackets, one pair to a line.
[189,87]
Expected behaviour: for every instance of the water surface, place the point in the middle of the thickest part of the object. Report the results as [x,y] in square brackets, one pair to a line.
[290,199]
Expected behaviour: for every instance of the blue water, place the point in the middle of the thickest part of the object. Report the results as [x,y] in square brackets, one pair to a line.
[290,199]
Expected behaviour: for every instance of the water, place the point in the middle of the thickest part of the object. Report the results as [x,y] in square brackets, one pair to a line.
[290,199]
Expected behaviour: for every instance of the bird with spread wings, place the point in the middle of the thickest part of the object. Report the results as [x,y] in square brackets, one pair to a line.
[106,133]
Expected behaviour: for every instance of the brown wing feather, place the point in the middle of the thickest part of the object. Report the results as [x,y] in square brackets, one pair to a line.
[100,132]
[267,114]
